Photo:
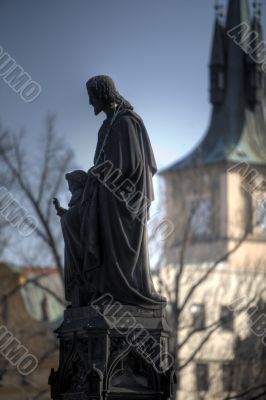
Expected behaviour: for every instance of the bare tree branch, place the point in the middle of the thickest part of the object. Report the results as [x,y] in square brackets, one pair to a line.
[56,159]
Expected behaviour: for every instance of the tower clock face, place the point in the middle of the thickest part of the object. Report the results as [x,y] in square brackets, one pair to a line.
[261,215]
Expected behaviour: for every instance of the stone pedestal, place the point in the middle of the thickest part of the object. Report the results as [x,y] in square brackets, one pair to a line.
[113,352]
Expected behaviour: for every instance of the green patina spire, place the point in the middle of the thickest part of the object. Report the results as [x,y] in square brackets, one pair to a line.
[237,129]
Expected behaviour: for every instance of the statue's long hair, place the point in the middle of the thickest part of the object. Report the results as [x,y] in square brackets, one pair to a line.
[103,86]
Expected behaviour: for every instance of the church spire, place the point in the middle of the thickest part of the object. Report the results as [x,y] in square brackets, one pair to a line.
[237,129]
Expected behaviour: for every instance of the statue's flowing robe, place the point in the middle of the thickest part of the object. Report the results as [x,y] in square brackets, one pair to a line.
[111,254]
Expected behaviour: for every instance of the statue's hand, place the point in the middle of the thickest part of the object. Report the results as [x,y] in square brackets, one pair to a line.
[56,203]
[59,210]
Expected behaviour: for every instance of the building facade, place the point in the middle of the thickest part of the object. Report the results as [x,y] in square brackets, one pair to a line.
[28,314]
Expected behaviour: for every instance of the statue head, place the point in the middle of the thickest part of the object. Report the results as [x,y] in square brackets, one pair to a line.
[103,94]
[76,180]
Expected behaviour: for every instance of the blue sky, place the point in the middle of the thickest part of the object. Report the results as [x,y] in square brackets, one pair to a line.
[157,51]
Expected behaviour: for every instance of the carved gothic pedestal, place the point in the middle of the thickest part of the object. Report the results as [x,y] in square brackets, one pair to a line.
[113,352]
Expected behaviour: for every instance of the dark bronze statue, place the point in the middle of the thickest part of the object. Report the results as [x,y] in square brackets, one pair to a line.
[105,227]
[114,336]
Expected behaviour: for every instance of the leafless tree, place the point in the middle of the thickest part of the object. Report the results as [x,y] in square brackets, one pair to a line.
[6,181]
[37,175]
[38,178]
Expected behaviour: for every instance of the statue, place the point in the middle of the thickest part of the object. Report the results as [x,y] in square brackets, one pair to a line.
[114,336]
[105,227]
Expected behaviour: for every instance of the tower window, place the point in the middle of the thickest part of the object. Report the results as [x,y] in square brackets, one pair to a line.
[227,318]
[198,316]
[201,217]
[228,377]
[202,375]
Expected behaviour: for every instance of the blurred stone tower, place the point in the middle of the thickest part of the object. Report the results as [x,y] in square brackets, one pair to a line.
[236,137]
[216,198]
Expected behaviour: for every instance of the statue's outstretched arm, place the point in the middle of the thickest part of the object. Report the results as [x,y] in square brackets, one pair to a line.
[59,210]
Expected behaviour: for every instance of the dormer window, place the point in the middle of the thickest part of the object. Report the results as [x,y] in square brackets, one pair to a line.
[217,89]
[220,80]
[254,83]
[217,79]
[255,78]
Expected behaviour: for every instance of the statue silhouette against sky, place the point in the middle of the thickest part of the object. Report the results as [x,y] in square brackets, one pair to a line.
[105,227]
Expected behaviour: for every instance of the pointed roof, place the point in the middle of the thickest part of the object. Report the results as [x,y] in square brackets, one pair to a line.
[237,131]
